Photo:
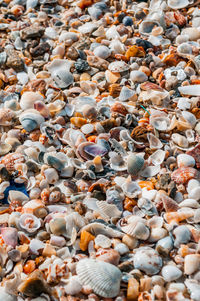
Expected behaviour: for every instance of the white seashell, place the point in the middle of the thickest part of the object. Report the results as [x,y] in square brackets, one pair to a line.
[117,47]
[73,287]
[102,52]
[51,175]
[150,171]
[5,296]
[171,273]
[183,103]
[197,216]
[108,210]
[160,123]
[155,222]
[194,288]
[184,160]
[121,248]
[102,241]
[154,142]
[192,90]
[193,183]
[28,99]
[138,76]
[104,278]
[191,263]
[29,222]
[98,228]
[149,194]
[126,94]
[112,33]
[147,26]
[142,262]
[157,157]
[180,140]
[177,4]
[87,28]
[195,194]
[156,234]
[131,188]
[17,196]
[64,36]
[193,33]
[118,66]
[189,117]
[192,203]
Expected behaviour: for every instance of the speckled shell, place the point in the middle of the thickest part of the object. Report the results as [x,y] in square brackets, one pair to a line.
[104,278]
[183,174]
[11,159]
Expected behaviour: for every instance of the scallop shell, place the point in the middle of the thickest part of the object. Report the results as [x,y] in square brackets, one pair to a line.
[108,210]
[104,278]
[29,222]
[183,174]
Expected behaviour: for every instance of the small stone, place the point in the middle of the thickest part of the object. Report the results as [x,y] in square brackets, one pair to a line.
[14,61]
[133,290]
[171,273]
[32,32]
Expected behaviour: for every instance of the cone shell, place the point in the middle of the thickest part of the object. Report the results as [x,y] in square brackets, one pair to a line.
[104,278]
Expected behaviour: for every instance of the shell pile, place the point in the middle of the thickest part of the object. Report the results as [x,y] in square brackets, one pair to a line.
[99,150]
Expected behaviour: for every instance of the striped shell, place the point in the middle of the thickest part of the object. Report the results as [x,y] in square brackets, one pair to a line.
[108,210]
[104,278]
[11,159]
[183,174]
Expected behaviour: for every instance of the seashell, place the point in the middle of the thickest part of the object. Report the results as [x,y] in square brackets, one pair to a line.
[156,234]
[31,119]
[180,140]
[182,234]
[159,123]
[126,94]
[58,226]
[109,255]
[102,241]
[29,223]
[89,150]
[5,148]
[183,174]
[194,288]
[117,162]
[195,153]
[164,245]
[130,188]
[102,277]
[51,175]
[184,160]
[154,142]
[189,117]
[122,249]
[177,4]
[147,26]
[141,260]
[176,217]
[192,90]
[108,210]
[97,228]
[102,51]
[157,157]
[86,237]
[134,164]
[150,171]
[34,285]
[73,287]
[7,117]
[171,273]
[10,236]
[191,264]
[169,204]
[140,231]
[138,76]
[184,49]
[28,99]
[118,66]
[194,194]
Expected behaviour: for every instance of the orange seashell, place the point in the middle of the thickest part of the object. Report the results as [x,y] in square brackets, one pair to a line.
[11,159]
[177,216]
[86,237]
[135,51]
[85,3]
[143,121]
[29,267]
[148,85]
[184,250]
[183,174]
[92,138]
[172,59]
[133,289]
[129,204]
[78,121]
[108,255]
[146,184]
[181,20]
[119,108]
[145,296]
[114,90]
[195,235]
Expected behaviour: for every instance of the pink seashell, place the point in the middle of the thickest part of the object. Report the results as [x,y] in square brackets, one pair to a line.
[10,236]
[183,174]
[195,153]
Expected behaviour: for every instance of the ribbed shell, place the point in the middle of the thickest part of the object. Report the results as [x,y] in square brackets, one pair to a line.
[104,278]
[108,210]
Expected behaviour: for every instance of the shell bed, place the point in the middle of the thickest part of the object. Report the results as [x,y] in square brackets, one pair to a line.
[99,150]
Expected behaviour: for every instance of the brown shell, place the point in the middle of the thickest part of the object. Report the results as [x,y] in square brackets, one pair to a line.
[183,174]
[11,159]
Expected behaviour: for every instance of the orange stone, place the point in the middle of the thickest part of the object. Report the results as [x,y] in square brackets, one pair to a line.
[133,289]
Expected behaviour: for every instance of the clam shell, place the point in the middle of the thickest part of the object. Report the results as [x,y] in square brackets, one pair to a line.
[147,26]
[134,164]
[150,171]
[5,148]
[29,222]
[118,66]
[157,157]
[154,142]
[142,262]
[184,160]
[31,119]
[28,99]
[171,273]
[104,278]
[177,4]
